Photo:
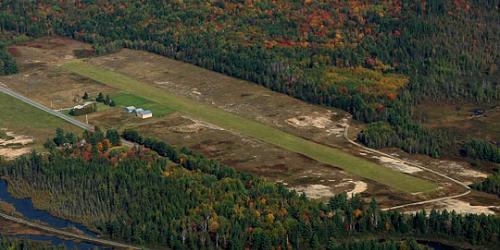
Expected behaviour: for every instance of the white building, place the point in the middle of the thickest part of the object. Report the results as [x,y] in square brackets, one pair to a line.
[130,109]
[144,113]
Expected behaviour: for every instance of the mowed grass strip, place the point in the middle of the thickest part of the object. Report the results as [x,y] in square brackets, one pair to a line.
[24,119]
[319,152]
[124,99]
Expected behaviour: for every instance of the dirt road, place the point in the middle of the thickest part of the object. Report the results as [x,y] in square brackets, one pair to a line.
[467,188]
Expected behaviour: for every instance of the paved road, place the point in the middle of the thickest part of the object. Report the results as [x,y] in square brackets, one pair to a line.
[46,228]
[465,186]
[53,112]
[67,234]
[46,109]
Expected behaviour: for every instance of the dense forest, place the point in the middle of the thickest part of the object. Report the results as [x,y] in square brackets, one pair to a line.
[182,200]
[490,185]
[374,59]
[483,150]
[7,64]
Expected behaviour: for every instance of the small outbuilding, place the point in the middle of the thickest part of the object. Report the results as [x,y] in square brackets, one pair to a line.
[144,114]
[130,109]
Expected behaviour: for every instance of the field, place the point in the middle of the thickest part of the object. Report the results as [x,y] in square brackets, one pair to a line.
[23,119]
[321,153]
[43,78]
[123,99]
[461,119]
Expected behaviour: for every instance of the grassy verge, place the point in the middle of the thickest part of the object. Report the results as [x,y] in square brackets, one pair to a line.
[124,99]
[321,153]
[23,119]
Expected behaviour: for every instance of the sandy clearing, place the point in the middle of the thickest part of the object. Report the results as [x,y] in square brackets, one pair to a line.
[397,164]
[11,153]
[463,207]
[319,121]
[335,131]
[359,187]
[455,167]
[194,127]
[16,140]
[315,191]
[316,120]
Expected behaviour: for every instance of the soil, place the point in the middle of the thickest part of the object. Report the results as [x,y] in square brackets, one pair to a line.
[40,73]
[16,140]
[465,207]
[14,145]
[396,164]
[247,154]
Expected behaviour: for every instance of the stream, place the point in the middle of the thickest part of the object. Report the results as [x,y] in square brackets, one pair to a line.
[26,208]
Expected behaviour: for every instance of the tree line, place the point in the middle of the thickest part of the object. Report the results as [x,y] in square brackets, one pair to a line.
[292,53]
[183,200]
[7,64]
[480,149]
[490,184]
[22,244]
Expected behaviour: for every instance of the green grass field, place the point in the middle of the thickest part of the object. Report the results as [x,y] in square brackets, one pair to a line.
[321,153]
[23,119]
[124,99]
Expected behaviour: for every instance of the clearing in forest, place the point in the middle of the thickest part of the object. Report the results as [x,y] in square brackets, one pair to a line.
[238,124]
[24,119]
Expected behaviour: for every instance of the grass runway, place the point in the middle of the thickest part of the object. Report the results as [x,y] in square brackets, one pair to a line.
[355,165]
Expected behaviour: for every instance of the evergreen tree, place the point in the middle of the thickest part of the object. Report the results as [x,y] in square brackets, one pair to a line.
[113,136]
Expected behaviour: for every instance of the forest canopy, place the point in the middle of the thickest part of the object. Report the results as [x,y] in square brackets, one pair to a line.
[158,195]
[375,59]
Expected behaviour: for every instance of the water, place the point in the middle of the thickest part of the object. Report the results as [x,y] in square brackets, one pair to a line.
[436,245]
[25,207]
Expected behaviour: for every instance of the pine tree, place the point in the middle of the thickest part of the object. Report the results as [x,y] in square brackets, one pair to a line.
[100,97]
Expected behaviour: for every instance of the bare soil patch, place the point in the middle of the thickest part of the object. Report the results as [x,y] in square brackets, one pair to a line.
[11,153]
[315,191]
[41,74]
[249,155]
[16,140]
[455,168]
[359,187]
[247,99]
[397,164]
[463,207]
[14,145]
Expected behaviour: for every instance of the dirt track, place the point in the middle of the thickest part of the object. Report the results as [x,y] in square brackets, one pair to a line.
[467,188]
